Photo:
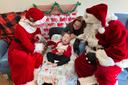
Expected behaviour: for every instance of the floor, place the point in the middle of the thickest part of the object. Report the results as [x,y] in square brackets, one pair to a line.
[123,79]
[4,80]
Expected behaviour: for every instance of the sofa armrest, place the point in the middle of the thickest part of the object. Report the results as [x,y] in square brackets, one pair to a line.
[3,48]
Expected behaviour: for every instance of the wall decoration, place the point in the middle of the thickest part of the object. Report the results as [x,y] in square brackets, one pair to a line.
[57,15]
[60,9]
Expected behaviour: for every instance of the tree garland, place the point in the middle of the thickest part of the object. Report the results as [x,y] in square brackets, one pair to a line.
[63,12]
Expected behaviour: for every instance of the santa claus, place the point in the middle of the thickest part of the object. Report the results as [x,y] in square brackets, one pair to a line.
[24,52]
[106,52]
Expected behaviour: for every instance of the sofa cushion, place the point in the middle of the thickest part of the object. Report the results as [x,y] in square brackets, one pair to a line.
[4,66]
[8,22]
[3,48]
[123,17]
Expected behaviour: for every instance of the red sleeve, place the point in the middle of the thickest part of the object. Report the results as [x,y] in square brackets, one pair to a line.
[38,31]
[35,33]
[127,42]
[54,51]
[117,42]
[51,43]
[67,52]
[24,40]
[54,48]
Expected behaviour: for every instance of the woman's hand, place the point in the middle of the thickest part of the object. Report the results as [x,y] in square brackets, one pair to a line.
[73,36]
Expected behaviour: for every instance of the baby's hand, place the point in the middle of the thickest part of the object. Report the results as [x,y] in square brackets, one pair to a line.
[60,52]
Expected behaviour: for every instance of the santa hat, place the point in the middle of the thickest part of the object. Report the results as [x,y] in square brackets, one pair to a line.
[100,12]
[37,15]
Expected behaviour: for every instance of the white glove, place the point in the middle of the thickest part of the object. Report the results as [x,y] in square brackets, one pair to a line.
[39,47]
[39,38]
[104,59]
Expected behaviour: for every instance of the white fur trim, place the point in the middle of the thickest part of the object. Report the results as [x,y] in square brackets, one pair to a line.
[27,27]
[116,83]
[123,63]
[110,17]
[107,24]
[104,59]
[88,80]
[36,71]
[41,21]
[38,47]
[101,30]
[30,83]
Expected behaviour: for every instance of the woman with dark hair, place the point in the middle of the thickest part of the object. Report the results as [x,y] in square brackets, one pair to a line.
[76,28]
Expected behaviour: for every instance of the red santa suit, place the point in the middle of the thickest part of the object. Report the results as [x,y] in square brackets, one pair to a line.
[127,42]
[110,58]
[24,54]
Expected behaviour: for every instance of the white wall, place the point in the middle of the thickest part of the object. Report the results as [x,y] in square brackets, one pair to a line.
[118,6]
[20,5]
[88,3]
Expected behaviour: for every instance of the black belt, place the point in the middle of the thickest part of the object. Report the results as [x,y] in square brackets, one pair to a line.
[17,40]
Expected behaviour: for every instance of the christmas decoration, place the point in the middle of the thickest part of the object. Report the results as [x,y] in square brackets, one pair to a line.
[59,8]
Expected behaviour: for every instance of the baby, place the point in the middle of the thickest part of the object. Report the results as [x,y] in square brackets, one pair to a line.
[61,52]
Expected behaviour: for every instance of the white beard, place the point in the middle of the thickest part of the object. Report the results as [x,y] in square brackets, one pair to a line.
[89,36]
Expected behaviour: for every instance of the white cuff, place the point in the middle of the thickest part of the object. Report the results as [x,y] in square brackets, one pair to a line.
[38,47]
[103,59]
[89,80]
[123,63]
[41,21]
